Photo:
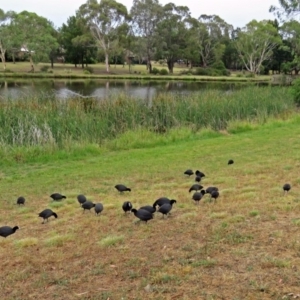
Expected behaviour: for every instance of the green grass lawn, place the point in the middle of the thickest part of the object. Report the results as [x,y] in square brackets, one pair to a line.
[21,69]
[245,246]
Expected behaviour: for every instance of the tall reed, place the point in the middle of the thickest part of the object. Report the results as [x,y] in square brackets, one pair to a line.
[46,120]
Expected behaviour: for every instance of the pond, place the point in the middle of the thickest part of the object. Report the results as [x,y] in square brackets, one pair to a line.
[104,88]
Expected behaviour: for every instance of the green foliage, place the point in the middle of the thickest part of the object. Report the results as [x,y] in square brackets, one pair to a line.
[44,68]
[89,69]
[163,72]
[45,122]
[211,71]
[295,91]
[155,71]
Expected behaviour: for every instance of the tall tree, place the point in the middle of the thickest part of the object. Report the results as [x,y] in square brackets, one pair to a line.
[146,14]
[286,9]
[255,44]
[77,41]
[171,34]
[6,33]
[34,34]
[290,32]
[104,20]
[208,36]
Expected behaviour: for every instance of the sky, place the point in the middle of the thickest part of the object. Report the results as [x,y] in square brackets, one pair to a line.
[235,12]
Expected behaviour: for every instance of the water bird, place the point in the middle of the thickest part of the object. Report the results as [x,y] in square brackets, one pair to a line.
[230,162]
[166,208]
[149,208]
[5,231]
[47,213]
[161,201]
[210,189]
[189,172]
[198,178]
[214,195]
[122,188]
[98,208]
[21,200]
[127,206]
[199,173]
[286,187]
[81,199]
[57,196]
[195,187]
[198,196]
[142,214]
[87,205]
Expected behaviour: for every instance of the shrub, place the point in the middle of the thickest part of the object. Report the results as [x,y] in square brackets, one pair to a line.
[155,71]
[87,72]
[89,69]
[295,91]
[44,68]
[163,72]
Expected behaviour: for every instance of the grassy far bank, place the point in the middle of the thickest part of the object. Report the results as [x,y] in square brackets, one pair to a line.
[248,240]
[21,69]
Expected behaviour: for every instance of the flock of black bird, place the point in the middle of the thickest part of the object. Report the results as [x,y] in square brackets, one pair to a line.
[145,213]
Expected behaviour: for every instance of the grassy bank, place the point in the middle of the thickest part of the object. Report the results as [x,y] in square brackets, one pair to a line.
[48,123]
[139,72]
[246,246]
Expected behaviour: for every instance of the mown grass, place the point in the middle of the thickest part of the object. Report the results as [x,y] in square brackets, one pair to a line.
[21,69]
[46,124]
[248,240]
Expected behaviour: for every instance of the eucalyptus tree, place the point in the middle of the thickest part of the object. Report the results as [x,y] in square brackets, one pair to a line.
[255,44]
[77,42]
[286,9]
[104,20]
[34,34]
[6,33]
[171,33]
[146,14]
[209,35]
[290,32]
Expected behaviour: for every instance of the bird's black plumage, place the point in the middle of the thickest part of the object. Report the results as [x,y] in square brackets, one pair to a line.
[142,214]
[161,201]
[98,208]
[21,200]
[198,196]
[5,231]
[230,162]
[286,187]
[214,195]
[189,172]
[127,206]
[166,208]
[198,178]
[149,208]
[122,188]
[195,187]
[87,205]
[199,173]
[57,196]
[210,189]
[47,213]
[81,199]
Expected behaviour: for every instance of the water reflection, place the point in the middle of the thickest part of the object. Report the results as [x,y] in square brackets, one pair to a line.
[101,89]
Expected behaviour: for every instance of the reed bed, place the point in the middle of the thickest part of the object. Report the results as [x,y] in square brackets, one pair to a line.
[46,120]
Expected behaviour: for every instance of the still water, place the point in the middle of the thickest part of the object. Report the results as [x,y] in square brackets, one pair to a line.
[104,88]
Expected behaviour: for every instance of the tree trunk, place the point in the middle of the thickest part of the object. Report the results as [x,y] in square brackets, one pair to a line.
[31,63]
[3,61]
[170,65]
[107,62]
[82,61]
[52,62]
